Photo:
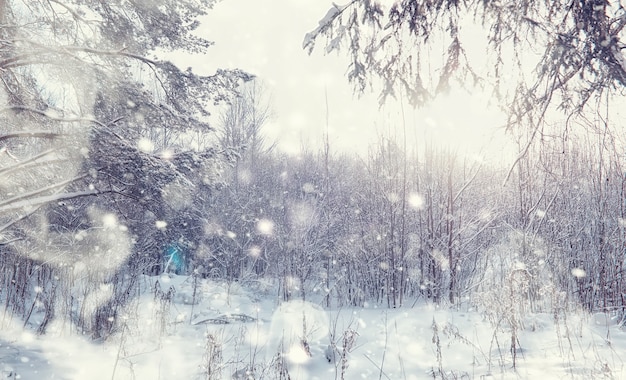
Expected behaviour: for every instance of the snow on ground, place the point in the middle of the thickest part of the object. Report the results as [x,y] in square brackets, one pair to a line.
[228,332]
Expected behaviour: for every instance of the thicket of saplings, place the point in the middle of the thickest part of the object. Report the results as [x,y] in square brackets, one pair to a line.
[393,229]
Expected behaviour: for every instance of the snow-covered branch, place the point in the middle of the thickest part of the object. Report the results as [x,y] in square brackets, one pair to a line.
[38,201]
[40,51]
[57,116]
[32,161]
[29,134]
[27,196]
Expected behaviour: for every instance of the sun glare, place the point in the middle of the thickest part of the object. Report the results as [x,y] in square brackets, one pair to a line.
[466,124]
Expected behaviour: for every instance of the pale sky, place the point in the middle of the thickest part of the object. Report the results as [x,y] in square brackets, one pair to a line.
[264,37]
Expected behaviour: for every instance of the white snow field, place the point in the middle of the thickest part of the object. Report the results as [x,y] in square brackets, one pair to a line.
[228,332]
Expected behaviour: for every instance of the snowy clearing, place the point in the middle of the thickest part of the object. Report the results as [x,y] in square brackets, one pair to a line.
[224,332]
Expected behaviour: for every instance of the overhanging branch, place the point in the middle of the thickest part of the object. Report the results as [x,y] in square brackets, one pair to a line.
[30,134]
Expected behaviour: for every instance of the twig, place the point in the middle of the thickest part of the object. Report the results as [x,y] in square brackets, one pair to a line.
[376,365]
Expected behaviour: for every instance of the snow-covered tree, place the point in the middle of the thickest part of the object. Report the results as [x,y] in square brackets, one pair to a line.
[575,49]
[89,115]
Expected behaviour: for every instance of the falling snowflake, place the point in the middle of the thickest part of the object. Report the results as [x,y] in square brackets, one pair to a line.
[254,251]
[109,221]
[145,145]
[416,201]
[265,227]
[308,188]
[578,272]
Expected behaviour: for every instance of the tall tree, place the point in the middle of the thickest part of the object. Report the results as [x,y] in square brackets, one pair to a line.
[84,106]
[75,72]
